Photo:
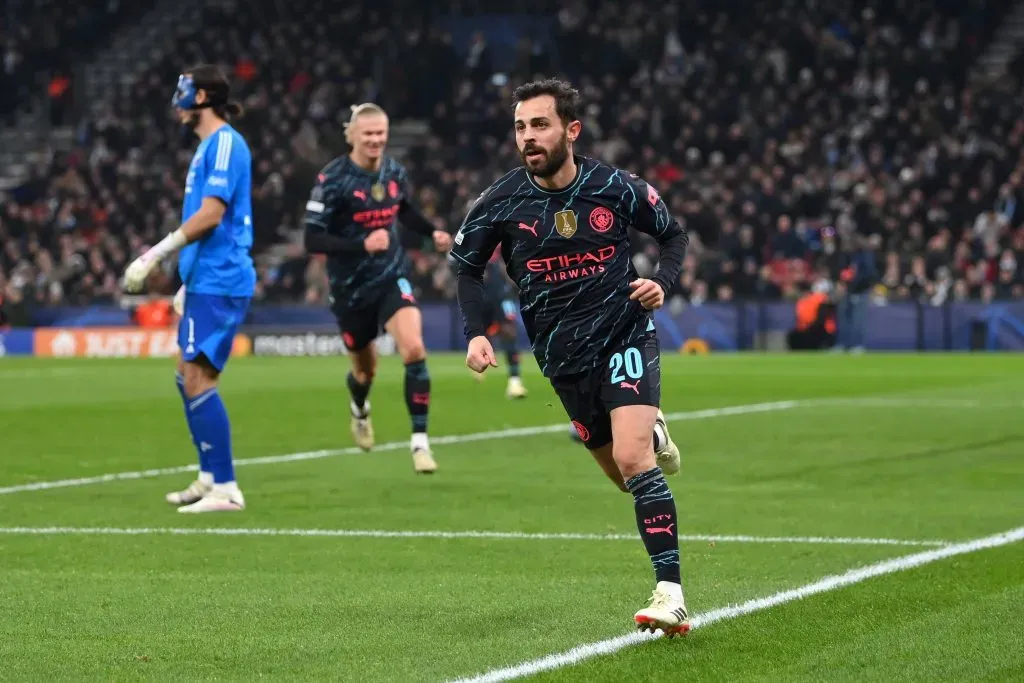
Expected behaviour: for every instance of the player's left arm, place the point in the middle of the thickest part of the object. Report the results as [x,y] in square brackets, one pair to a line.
[411,217]
[651,215]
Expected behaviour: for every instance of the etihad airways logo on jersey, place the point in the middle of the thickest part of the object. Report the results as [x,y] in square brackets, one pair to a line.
[572,266]
[376,218]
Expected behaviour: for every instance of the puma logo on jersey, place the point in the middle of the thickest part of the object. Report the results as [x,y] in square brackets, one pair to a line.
[529,228]
[635,386]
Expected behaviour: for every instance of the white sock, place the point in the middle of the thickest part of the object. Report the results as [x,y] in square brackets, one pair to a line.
[360,413]
[228,487]
[206,478]
[419,442]
[659,437]
[673,589]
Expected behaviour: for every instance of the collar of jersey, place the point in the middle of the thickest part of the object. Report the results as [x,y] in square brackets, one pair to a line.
[378,174]
[575,181]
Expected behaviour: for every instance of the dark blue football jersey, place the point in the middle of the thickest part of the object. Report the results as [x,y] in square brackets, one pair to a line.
[568,253]
[349,202]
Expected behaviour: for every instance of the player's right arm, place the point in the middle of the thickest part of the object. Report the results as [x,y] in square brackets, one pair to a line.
[325,203]
[474,243]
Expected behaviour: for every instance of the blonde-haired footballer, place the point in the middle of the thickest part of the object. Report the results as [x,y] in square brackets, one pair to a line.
[352,216]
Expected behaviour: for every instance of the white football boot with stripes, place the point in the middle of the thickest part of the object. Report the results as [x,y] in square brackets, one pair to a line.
[194,492]
[667,454]
[666,611]
[220,498]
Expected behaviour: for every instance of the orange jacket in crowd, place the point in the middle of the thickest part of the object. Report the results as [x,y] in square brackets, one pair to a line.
[807,309]
[155,314]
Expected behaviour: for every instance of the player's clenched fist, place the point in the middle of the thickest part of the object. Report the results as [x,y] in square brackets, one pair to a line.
[377,241]
[648,292]
[442,241]
[480,355]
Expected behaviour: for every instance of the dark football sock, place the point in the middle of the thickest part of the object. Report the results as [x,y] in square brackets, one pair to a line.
[359,393]
[656,518]
[417,394]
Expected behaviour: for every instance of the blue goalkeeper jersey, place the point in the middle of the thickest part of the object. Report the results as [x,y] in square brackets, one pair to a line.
[220,262]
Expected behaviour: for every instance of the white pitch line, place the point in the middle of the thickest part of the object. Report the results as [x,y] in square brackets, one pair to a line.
[746,409]
[497,535]
[391,446]
[884,402]
[823,585]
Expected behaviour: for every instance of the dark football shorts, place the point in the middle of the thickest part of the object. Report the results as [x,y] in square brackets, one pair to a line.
[503,310]
[628,376]
[361,324]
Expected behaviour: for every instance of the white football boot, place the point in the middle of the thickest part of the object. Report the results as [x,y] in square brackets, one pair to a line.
[666,611]
[668,455]
[362,427]
[220,498]
[515,388]
[422,458]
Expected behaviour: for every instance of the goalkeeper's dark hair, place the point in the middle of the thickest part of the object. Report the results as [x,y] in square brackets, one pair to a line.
[567,98]
[210,78]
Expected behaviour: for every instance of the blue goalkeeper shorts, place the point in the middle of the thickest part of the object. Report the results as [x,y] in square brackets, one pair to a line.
[209,325]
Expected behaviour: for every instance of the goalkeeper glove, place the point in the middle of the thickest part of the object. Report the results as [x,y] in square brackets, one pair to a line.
[136,273]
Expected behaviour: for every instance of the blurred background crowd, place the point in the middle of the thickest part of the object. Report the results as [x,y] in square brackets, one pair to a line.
[840,146]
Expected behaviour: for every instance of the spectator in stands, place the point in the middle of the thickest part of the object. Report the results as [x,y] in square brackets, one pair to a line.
[155,313]
[13,310]
[815,327]
[858,279]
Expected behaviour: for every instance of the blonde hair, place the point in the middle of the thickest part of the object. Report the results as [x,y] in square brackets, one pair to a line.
[364,109]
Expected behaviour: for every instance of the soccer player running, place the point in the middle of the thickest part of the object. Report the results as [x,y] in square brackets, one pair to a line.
[503,312]
[351,217]
[562,221]
[218,278]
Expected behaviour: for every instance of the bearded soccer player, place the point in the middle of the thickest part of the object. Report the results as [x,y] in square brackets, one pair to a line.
[218,275]
[562,222]
[351,217]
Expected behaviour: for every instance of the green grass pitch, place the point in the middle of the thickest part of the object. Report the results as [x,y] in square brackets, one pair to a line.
[923,449]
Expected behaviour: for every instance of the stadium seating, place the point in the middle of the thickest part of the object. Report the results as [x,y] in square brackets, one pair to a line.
[780,132]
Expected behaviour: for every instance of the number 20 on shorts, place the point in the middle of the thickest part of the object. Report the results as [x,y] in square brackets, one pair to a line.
[629,360]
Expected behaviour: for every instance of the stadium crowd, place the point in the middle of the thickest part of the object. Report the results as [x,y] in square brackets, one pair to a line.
[804,143]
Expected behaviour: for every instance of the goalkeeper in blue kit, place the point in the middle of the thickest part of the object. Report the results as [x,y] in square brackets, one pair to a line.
[218,278]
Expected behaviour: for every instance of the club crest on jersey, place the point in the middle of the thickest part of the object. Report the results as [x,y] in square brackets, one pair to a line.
[565,223]
[377,192]
[601,219]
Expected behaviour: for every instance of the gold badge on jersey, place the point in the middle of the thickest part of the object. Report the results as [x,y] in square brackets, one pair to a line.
[565,223]
[377,192]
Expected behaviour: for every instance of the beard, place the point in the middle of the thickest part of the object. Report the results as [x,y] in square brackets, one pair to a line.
[549,164]
[187,122]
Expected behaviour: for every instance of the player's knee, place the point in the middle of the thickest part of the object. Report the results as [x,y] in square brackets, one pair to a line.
[632,458]
[364,372]
[364,365]
[414,352]
[198,379]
